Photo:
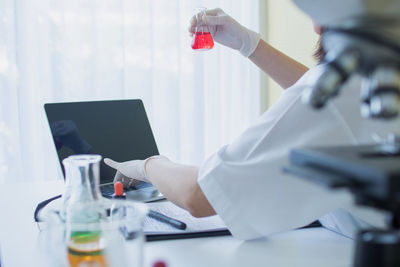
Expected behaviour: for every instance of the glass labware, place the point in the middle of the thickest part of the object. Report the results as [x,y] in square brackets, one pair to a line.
[91,230]
[202,38]
[84,200]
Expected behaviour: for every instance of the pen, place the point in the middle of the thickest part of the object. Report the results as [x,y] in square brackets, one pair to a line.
[168,220]
[119,193]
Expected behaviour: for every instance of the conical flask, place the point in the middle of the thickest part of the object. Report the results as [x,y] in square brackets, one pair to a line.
[84,212]
[82,200]
[202,39]
[85,235]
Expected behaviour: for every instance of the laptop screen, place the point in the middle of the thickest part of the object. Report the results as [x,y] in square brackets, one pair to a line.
[118,129]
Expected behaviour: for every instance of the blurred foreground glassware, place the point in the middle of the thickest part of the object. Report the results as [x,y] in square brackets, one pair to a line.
[90,230]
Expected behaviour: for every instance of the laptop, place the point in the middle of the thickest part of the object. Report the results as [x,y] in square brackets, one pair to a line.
[117,129]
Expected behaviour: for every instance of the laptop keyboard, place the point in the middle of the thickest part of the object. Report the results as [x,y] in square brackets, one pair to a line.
[108,190]
[142,185]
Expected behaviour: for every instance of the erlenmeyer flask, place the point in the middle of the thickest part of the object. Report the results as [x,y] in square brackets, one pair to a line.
[93,231]
[84,207]
[202,39]
[83,198]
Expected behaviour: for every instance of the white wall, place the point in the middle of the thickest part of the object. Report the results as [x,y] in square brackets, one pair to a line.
[289,30]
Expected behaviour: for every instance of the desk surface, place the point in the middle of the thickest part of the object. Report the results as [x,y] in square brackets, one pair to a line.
[308,247]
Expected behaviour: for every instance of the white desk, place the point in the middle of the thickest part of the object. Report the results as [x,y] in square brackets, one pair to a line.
[310,247]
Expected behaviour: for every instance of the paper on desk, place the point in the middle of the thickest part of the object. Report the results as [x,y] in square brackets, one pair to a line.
[194,225]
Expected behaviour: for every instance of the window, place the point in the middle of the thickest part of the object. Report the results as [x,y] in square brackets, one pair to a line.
[79,50]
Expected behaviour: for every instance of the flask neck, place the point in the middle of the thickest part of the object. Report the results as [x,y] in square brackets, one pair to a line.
[82,197]
[85,185]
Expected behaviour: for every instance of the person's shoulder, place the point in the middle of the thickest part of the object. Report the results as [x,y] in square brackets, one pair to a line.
[292,96]
[307,80]
[311,76]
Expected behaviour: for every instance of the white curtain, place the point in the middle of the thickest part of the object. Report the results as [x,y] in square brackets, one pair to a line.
[79,50]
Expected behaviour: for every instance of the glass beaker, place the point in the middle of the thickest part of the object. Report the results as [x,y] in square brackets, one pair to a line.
[82,200]
[202,39]
[91,230]
[114,241]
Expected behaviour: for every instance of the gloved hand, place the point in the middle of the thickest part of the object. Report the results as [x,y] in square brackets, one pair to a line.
[129,173]
[227,31]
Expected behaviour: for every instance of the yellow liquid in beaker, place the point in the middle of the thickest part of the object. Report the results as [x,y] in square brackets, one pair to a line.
[86,249]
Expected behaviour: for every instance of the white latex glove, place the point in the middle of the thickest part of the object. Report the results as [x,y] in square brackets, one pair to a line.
[227,31]
[129,172]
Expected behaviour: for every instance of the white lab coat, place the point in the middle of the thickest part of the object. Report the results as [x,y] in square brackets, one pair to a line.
[244,182]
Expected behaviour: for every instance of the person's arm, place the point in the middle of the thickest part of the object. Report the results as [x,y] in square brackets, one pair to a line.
[282,69]
[228,32]
[178,183]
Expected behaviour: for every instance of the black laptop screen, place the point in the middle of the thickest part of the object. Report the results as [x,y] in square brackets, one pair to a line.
[119,130]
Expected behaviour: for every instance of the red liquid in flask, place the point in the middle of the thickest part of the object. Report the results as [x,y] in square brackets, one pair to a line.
[202,41]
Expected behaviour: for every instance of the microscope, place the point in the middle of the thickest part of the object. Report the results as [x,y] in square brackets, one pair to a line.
[360,37]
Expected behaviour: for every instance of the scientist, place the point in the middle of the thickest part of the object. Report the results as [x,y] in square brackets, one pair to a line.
[243,182]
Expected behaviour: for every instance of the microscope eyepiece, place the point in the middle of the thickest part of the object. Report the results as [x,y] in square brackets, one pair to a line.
[336,72]
[381,93]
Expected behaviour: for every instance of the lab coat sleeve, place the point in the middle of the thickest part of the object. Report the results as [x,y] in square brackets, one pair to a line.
[220,199]
[244,181]
[258,205]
